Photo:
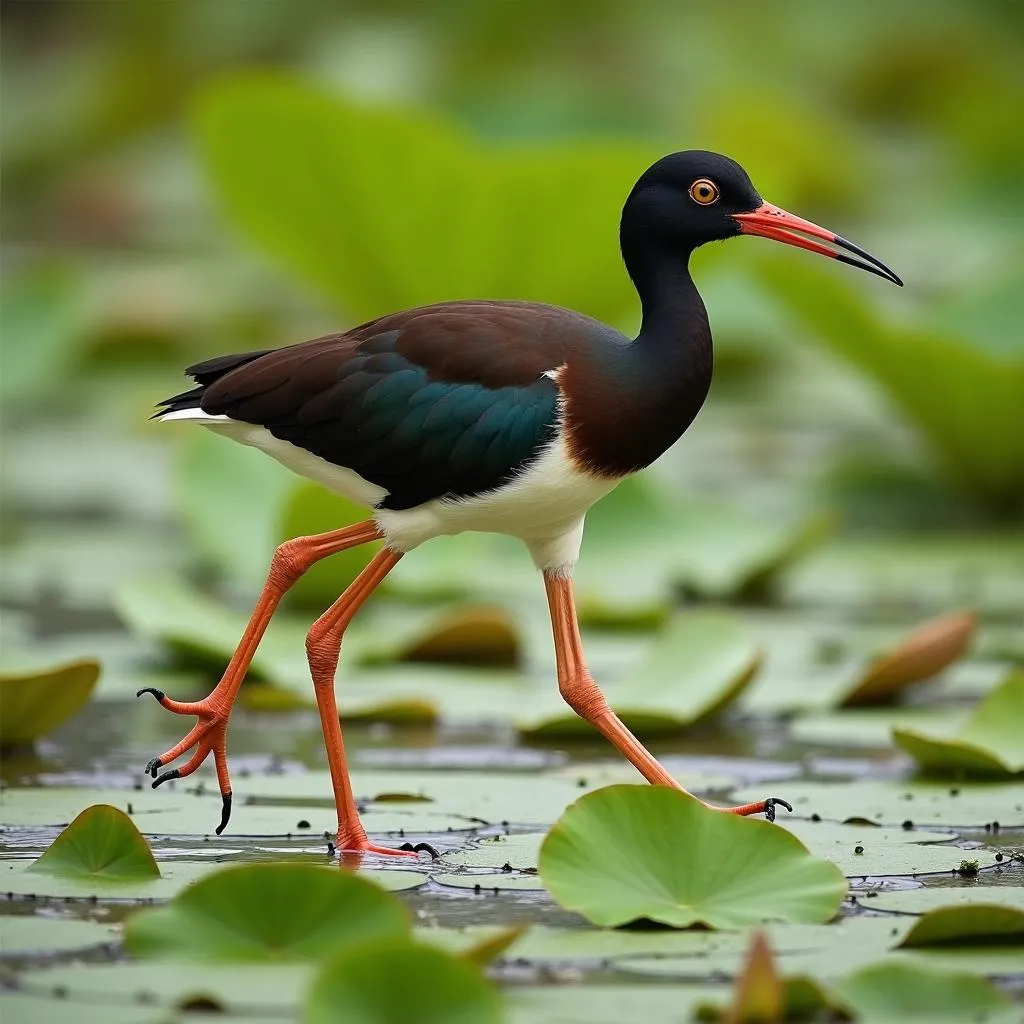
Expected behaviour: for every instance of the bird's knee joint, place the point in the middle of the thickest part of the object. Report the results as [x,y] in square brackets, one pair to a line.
[584,696]
[323,648]
[288,564]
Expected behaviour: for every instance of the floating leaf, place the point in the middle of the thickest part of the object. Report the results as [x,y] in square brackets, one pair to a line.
[990,742]
[922,803]
[698,666]
[920,901]
[359,987]
[22,935]
[902,992]
[102,844]
[629,852]
[268,912]
[921,654]
[33,704]
[968,924]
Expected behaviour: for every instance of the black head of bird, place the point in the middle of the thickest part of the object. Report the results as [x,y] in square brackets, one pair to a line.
[505,417]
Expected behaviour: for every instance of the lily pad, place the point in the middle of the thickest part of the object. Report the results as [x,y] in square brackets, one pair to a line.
[182,811]
[33,704]
[267,912]
[920,655]
[920,901]
[900,992]
[359,987]
[969,804]
[968,924]
[22,934]
[627,852]
[990,742]
[698,666]
[101,845]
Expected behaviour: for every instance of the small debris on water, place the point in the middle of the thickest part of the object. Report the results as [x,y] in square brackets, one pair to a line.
[858,850]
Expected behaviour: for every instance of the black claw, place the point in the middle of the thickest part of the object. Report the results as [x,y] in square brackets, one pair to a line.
[159,694]
[425,848]
[225,812]
[769,806]
[153,766]
[172,774]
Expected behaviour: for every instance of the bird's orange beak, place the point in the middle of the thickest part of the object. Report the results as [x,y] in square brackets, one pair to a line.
[771,222]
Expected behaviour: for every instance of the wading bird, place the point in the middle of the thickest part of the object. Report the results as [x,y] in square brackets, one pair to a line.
[507,417]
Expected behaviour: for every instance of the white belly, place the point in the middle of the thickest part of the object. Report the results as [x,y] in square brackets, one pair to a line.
[544,506]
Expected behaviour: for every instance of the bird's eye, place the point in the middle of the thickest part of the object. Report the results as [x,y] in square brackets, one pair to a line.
[704,191]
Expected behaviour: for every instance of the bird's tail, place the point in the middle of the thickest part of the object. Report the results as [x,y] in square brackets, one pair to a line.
[204,374]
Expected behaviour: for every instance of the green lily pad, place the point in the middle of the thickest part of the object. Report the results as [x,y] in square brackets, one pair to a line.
[969,804]
[17,879]
[990,742]
[920,901]
[22,934]
[101,845]
[30,1009]
[921,654]
[33,704]
[629,852]
[182,811]
[511,860]
[862,850]
[698,666]
[359,987]
[269,989]
[606,1004]
[868,727]
[900,992]
[267,912]
[968,924]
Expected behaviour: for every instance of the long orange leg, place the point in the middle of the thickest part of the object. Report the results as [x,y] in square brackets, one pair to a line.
[584,696]
[323,648]
[209,734]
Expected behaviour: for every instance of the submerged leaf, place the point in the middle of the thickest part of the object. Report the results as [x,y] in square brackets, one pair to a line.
[631,852]
[990,742]
[33,704]
[396,981]
[101,844]
[268,912]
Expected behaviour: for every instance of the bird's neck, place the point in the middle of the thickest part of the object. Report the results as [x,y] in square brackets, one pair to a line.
[645,394]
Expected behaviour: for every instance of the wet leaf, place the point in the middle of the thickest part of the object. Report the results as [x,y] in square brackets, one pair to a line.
[267,912]
[102,844]
[990,742]
[628,852]
[905,992]
[607,1004]
[924,803]
[922,653]
[21,935]
[359,987]
[920,901]
[33,704]
[968,924]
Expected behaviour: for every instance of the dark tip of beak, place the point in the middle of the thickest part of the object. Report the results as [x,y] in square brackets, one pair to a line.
[875,266]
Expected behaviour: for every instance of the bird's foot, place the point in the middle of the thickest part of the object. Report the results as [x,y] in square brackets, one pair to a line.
[765,807]
[354,844]
[208,735]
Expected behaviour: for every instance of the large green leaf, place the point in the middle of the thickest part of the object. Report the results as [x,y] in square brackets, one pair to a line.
[900,992]
[967,400]
[33,704]
[990,742]
[325,187]
[268,912]
[102,844]
[977,923]
[630,852]
[398,982]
